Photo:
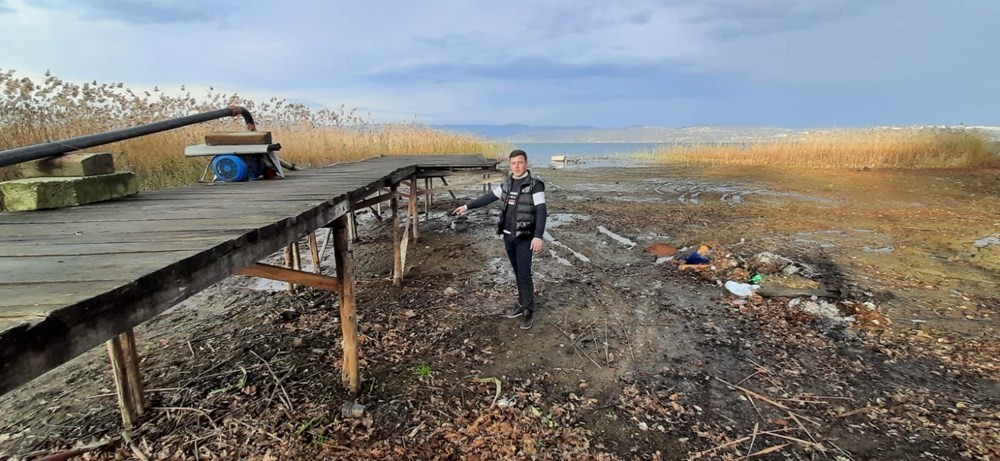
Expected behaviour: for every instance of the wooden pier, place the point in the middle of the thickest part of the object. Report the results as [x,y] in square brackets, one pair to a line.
[74,278]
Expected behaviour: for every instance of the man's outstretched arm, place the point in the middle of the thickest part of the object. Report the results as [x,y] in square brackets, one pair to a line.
[480,201]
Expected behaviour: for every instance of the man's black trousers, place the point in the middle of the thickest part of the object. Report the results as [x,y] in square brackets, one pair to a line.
[519,252]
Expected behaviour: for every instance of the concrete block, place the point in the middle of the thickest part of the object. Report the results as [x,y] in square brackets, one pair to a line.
[59,192]
[76,164]
[238,138]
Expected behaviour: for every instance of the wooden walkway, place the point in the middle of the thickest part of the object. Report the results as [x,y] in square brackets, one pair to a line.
[73,278]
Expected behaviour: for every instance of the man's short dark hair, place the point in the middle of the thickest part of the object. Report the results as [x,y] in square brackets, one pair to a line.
[518,152]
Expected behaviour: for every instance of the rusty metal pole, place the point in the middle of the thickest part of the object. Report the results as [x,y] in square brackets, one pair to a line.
[39,151]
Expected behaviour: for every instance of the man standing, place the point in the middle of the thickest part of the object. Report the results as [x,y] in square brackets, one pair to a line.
[522,224]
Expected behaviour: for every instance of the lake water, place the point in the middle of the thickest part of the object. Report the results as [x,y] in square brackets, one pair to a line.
[592,154]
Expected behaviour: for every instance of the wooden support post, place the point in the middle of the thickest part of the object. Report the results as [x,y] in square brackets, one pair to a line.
[414,213]
[487,183]
[314,251]
[348,316]
[296,256]
[397,257]
[352,226]
[133,372]
[428,198]
[119,368]
[378,205]
[445,181]
[326,243]
[289,264]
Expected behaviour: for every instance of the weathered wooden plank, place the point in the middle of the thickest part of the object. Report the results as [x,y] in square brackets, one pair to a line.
[432,174]
[238,138]
[158,211]
[37,231]
[21,250]
[254,220]
[23,311]
[228,216]
[68,332]
[86,268]
[219,235]
[20,297]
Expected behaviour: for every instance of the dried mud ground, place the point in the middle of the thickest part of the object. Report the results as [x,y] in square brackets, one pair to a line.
[628,359]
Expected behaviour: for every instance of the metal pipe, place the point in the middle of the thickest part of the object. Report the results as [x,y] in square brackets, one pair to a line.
[38,151]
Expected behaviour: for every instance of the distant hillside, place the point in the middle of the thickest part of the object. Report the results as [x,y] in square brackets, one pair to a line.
[695,134]
[505,132]
[646,134]
[555,134]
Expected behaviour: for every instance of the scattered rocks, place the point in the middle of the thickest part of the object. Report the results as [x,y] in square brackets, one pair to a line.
[768,263]
[821,308]
[790,269]
[985,242]
[352,410]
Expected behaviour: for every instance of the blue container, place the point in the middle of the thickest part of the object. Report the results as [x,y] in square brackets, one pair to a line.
[695,258]
[233,168]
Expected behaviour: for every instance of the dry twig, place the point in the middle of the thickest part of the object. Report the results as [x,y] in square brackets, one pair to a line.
[288,400]
[753,438]
[132,446]
[767,399]
[196,410]
[627,341]
[575,347]
[74,452]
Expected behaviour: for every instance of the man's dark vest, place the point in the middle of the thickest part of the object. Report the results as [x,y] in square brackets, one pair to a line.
[525,218]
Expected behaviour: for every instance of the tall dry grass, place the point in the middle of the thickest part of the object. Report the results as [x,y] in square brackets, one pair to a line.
[873,148]
[33,111]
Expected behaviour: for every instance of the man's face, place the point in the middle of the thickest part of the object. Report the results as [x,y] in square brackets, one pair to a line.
[518,165]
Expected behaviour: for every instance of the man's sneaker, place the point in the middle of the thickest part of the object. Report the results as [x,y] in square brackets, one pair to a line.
[515,311]
[527,321]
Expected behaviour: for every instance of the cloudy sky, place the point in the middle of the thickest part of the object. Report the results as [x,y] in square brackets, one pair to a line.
[793,63]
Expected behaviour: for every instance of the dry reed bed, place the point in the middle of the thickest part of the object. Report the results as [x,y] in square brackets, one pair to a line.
[33,111]
[873,148]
